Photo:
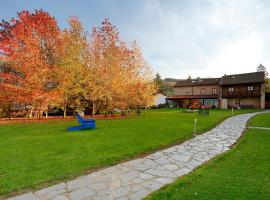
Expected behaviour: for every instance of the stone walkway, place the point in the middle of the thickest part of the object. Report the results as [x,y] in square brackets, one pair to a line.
[137,178]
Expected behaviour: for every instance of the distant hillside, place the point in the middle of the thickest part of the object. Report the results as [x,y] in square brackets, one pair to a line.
[171,81]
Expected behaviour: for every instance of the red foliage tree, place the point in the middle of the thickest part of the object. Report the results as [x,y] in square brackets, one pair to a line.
[30,44]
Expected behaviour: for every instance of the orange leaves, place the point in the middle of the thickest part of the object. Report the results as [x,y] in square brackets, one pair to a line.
[121,68]
[30,47]
[47,66]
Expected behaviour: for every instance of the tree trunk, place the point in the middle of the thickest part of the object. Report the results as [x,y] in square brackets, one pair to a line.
[65,111]
[31,113]
[74,113]
[138,110]
[93,108]
[46,113]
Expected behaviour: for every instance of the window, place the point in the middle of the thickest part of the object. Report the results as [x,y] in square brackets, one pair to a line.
[231,89]
[214,90]
[250,88]
[203,90]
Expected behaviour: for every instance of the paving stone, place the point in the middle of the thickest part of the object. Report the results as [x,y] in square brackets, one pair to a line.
[129,175]
[180,158]
[123,198]
[160,173]
[103,197]
[139,194]
[104,192]
[149,162]
[120,192]
[60,197]
[170,167]
[137,180]
[146,176]
[81,193]
[164,181]
[28,196]
[195,163]
[135,188]
[116,183]
[181,172]
[78,183]
[97,186]
[169,150]
[161,161]
[141,167]
[52,191]
[152,185]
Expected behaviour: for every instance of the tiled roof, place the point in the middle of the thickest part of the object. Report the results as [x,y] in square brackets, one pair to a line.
[255,77]
[198,81]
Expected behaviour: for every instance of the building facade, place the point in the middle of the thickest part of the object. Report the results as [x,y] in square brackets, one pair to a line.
[229,91]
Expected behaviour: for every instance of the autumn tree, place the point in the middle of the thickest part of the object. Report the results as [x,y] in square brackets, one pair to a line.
[44,66]
[74,73]
[142,88]
[117,71]
[29,44]
[105,68]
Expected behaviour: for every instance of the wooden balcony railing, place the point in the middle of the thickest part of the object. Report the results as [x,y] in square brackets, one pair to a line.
[240,94]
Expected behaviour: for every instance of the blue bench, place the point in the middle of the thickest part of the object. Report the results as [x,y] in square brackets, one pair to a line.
[84,124]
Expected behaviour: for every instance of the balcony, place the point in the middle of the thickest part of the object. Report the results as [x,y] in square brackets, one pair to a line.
[241,94]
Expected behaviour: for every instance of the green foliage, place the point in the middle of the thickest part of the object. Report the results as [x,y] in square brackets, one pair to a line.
[262,68]
[163,86]
[159,83]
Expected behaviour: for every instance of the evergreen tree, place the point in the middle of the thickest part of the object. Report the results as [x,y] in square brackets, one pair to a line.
[262,68]
[159,83]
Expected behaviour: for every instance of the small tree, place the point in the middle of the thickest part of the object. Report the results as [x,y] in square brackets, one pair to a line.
[159,83]
[262,68]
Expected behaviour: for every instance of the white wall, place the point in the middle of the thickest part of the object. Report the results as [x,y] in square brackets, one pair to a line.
[159,99]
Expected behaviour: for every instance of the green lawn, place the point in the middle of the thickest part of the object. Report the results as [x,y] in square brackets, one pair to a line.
[242,173]
[262,120]
[33,155]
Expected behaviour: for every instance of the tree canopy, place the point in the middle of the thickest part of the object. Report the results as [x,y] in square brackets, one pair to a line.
[43,66]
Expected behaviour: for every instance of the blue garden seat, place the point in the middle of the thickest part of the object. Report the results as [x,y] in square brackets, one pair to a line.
[84,124]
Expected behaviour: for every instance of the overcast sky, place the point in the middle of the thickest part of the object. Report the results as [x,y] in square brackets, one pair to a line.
[205,38]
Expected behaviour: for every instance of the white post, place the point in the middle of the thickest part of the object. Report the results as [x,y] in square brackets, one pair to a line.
[232,111]
[194,130]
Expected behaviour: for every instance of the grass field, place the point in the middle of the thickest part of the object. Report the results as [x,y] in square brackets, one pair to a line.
[262,120]
[243,173]
[33,155]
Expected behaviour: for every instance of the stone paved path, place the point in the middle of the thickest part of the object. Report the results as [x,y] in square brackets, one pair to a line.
[137,178]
